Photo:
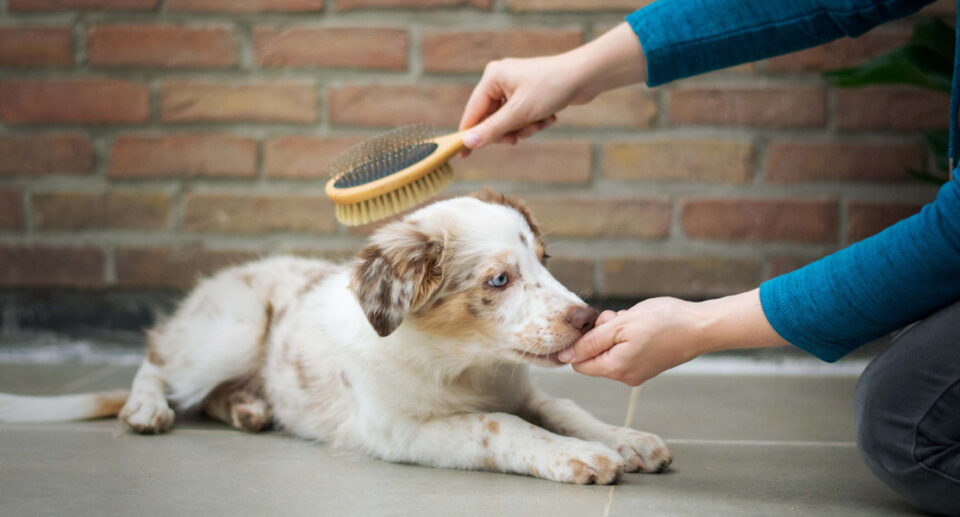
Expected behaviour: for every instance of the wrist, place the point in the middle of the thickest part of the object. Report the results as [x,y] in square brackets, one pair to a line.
[613,60]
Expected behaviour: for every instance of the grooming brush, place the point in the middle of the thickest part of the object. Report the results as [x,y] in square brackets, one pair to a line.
[390,173]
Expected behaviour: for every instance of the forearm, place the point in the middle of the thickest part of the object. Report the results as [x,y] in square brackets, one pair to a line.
[734,322]
[682,38]
[875,286]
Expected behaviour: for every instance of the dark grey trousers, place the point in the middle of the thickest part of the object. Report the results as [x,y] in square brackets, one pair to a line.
[908,413]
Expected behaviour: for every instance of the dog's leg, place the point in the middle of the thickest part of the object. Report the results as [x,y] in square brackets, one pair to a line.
[642,451]
[495,441]
[241,408]
[146,410]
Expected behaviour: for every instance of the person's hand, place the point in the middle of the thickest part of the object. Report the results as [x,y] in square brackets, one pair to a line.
[517,98]
[636,345]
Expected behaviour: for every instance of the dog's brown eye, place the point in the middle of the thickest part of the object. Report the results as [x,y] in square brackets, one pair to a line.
[499,280]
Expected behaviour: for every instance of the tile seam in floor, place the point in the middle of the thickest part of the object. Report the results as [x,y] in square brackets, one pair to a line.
[631,409]
[760,443]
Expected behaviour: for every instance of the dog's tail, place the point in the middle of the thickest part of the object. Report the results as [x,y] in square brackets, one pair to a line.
[63,408]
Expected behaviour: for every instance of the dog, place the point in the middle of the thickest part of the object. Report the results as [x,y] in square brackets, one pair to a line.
[418,352]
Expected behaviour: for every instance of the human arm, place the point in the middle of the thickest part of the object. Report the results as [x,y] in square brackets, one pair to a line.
[827,308]
[662,42]
[515,98]
[637,344]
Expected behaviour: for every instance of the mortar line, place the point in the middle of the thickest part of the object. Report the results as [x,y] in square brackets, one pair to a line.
[631,409]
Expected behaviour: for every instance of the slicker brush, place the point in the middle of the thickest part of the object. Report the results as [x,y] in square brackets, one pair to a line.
[391,173]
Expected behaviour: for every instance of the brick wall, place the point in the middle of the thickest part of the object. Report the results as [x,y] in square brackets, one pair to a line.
[146,142]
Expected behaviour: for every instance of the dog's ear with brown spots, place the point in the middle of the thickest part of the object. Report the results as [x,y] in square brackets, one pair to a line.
[397,272]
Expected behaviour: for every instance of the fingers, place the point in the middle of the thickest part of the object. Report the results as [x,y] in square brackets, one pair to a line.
[590,344]
[604,317]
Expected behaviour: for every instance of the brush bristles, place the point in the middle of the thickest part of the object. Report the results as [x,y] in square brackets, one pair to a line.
[397,201]
[381,154]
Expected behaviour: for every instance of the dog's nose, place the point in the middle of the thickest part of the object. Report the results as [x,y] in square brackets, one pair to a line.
[582,318]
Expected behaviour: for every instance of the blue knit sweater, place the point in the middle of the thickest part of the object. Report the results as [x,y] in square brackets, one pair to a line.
[875,286]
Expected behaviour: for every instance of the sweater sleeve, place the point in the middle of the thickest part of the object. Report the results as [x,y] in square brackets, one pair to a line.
[681,38]
[873,287]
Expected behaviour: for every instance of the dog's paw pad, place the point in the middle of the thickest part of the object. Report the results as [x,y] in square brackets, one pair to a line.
[147,416]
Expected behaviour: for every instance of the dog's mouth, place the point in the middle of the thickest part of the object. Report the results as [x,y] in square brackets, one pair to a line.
[540,359]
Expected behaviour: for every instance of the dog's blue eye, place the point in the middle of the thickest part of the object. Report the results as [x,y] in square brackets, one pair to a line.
[499,280]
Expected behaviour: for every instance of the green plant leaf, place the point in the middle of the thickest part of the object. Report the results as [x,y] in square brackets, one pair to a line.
[925,61]
[934,35]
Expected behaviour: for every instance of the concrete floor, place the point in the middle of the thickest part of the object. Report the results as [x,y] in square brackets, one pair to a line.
[743,445]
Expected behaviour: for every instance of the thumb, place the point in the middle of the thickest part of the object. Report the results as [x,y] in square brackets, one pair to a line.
[590,344]
[496,125]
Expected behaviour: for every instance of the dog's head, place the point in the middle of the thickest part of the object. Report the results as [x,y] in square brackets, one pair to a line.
[470,270]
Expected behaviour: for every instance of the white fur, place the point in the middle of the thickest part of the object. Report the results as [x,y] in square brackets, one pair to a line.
[297,346]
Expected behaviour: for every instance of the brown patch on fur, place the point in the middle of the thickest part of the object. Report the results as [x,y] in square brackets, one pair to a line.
[491,196]
[602,461]
[302,379]
[110,404]
[533,471]
[247,279]
[488,462]
[492,427]
[485,443]
[579,468]
[523,239]
[153,356]
[313,281]
[459,316]
[396,273]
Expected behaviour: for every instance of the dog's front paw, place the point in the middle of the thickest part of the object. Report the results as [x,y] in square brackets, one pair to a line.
[642,452]
[586,463]
[146,416]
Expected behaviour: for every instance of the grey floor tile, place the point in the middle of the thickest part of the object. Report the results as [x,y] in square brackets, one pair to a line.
[605,399]
[220,472]
[747,407]
[41,379]
[746,481]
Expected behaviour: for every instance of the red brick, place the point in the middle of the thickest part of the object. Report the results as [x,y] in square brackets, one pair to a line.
[382,49]
[592,217]
[81,101]
[173,268]
[349,5]
[183,155]
[470,51]
[35,46]
[303,157]
[576,5]
[841,53]
[45,153]
[51,266]
[708,161]
[782,265]
[678,276]
[891,107]
[100,5]
[624,107]
[760,220]
[66,211]
[574,273]
[390,106]
[278,101]
[11,208]
[796,162]
[257,214]
[799,106]
[160,45]
[865,218]
[245,6]
[939,8]
[539,162]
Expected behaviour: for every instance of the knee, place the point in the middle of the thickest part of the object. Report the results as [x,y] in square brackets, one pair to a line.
[886,438]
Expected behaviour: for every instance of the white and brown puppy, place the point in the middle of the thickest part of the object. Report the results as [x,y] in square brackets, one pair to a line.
[416,352]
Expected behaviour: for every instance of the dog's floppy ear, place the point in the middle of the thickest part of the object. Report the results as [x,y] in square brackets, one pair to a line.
[396,273]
